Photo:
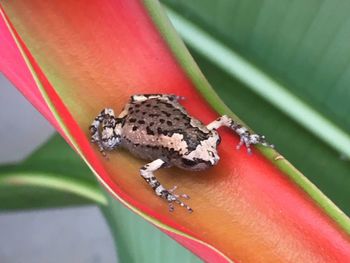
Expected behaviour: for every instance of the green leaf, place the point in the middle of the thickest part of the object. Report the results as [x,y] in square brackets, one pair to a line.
[139,241]
[52,176]
[296,50]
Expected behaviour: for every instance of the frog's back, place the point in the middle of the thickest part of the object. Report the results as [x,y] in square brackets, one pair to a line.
[156,128]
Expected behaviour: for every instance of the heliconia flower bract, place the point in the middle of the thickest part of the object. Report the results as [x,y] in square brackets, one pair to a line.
[73,59]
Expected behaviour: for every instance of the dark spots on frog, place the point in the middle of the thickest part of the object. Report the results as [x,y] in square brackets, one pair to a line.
[189,126]
[141,121]
[193,137]
[168,105]
[151,146]
[165,118]
[186,117]
[149,131]
[131,111]
[153,115]
[156,184]
[93,129]
[166,113]
[132,120]
[148,105]
[172,152]
[168,133]
[188,162]
[143,168]
[122,121]
[194,162]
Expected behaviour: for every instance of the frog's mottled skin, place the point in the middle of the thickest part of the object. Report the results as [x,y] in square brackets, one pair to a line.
[156,127]
[161,128]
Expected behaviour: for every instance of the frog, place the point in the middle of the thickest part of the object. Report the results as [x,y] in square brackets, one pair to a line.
[157,128]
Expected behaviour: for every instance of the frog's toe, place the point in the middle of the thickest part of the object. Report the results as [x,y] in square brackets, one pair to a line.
[249,139]
[175,198]
[180,98]
[172,190]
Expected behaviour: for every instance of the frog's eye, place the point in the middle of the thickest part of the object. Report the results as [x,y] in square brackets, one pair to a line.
[109,122]
[188,162]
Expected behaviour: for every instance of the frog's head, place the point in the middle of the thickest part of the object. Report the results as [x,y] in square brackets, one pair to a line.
[111,133]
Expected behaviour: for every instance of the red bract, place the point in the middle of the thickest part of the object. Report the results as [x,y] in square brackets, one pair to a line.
[90,55]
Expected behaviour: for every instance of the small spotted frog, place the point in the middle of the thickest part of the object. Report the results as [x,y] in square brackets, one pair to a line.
[156,127]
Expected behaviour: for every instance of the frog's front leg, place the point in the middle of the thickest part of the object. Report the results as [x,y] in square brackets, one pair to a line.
[104,131]
[147,173]
[246,137]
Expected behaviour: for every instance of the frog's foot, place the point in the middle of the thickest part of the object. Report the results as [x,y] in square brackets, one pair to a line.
[147,173]
[172,198]
[248,139]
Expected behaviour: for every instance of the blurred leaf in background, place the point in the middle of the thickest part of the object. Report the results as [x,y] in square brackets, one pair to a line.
[303,47]
[55,176]
[52,176]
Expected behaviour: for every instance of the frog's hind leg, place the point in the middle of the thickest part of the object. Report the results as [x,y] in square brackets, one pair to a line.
[147,173]
[167,97]
[246,137]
